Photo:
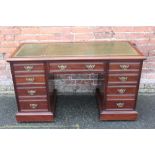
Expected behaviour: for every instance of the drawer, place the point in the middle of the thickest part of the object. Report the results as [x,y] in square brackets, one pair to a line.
[124,96]
[28,68]
[123,78]
[36,97]
[36,105]
[120,104]
[121,89]
[31,91]
[29,79]
[71,67]
[124,66]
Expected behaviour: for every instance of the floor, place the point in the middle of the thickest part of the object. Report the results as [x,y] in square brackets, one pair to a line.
[79,112]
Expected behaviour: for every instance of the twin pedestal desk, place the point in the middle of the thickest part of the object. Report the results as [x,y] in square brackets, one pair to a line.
[34,64]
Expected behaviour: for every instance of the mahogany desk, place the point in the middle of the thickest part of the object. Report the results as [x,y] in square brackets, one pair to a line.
[33,64]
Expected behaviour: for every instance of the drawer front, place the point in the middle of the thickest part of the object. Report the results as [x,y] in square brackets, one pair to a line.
[33,106]
[124,96]
[123,78]
[28,68]
[36,97]
[120,104]
[28,91]
[60,67]
[120,90]
[30,79]
[124,66]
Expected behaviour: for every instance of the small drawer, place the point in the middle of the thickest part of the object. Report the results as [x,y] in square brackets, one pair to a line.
[77,67]
[120,104]
[36,97]
[124,96]
[29,79]
[120,90]
[124,66]
[27,68]
[36,105]
[123,78]
[28,91]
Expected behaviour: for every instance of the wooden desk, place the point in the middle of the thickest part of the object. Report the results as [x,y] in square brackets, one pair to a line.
[33,64]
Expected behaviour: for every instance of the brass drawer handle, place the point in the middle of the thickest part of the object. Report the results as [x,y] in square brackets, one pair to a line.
[124,67]
[123,78]
[90,66]
[62,67]
[30,79]
[28,68]
[121,91]
[31,92]
[120,104]
[33,106]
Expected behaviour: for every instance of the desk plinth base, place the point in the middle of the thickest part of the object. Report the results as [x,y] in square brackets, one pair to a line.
[34,117]
[118,115]
[107,115]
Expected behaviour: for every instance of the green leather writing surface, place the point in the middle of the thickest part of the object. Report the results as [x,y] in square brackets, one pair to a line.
[83,49]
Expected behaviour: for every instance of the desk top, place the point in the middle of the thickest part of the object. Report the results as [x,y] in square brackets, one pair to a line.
[75,50]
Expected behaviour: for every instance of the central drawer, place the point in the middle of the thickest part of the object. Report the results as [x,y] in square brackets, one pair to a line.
[77,67]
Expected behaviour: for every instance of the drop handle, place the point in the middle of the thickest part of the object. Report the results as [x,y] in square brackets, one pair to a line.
[120,104]
[33,106]
[30,79]
[62,67]
[124,67]
[123,78]
[31,92]
[28,68]
[90,66]
[121,91]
